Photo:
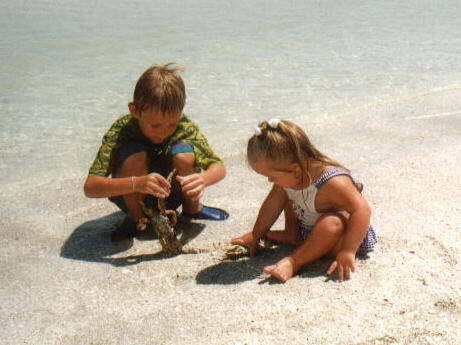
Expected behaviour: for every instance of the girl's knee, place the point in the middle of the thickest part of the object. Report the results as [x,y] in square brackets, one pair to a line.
[334,224]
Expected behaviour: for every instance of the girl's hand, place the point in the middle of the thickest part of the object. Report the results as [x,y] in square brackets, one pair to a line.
[192,185]
[247,240]
[153,184]
[343,265]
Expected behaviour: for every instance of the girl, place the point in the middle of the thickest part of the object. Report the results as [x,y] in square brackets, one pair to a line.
[325,214]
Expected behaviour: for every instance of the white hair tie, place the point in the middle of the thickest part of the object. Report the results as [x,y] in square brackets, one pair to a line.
[258,131]
[273,123]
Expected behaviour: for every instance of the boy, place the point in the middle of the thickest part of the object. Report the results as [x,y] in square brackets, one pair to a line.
[144,146]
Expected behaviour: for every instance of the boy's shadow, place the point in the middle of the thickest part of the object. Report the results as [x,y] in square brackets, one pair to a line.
[91,241]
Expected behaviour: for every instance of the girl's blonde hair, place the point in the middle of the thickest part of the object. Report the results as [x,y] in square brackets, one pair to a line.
[285,142]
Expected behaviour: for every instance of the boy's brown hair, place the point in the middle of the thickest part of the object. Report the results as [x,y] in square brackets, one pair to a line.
[160,88]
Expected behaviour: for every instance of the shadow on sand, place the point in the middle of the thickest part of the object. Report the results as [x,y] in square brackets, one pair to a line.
[91,241]
[231,272]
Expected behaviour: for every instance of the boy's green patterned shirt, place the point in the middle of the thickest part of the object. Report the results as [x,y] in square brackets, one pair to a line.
[126,128]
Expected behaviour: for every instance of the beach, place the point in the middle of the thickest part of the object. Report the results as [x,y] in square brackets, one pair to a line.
[376,85]
[63,282]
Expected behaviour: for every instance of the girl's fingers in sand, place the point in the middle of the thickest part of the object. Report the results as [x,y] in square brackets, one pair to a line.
[336,267]
[343,265]
[332,267]
[347,273]
[340,272]
[343,272]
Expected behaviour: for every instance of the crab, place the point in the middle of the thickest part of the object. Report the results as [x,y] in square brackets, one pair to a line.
[163,221]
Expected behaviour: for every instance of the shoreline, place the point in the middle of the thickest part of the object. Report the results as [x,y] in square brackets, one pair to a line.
[235,146]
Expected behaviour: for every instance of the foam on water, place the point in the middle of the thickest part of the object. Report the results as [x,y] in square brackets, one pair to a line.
[68,69]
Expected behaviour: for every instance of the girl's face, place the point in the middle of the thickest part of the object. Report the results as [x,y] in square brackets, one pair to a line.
[282,174]
[156,126]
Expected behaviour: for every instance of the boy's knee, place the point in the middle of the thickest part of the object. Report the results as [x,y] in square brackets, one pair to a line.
[184,162]
[136,163]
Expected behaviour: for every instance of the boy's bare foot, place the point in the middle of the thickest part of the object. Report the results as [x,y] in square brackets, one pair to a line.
[282,270]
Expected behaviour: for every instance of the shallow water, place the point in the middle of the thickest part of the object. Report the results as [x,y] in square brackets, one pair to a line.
[68,68]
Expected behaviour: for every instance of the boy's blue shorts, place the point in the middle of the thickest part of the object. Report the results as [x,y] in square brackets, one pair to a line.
[161,164]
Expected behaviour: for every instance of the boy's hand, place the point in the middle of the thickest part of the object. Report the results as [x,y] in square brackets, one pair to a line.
[153,184]
[192,185]
[343,265]
[247,240]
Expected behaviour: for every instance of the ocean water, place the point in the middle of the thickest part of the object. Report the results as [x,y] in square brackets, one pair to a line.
[68,68]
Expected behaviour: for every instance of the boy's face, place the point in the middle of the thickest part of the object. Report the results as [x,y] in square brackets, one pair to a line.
[155,125]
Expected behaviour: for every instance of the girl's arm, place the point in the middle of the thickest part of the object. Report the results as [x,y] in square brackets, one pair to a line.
[269,212]
[340,193]
[356,229]
[357,225]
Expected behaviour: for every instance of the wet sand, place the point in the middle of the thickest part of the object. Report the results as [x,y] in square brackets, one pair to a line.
[63,282]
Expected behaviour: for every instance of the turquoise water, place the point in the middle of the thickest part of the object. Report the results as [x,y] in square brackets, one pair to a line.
[68,68]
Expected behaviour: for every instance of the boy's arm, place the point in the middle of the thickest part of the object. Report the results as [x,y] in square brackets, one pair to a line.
[194,184]
[214,173]
[105,187]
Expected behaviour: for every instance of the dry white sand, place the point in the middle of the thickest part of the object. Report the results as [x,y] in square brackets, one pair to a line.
[62,281]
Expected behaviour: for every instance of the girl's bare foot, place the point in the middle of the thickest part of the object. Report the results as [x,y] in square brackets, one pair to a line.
[282,270]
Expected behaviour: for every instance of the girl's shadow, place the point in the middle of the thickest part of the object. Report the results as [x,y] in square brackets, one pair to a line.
[91,241]
[230,272]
